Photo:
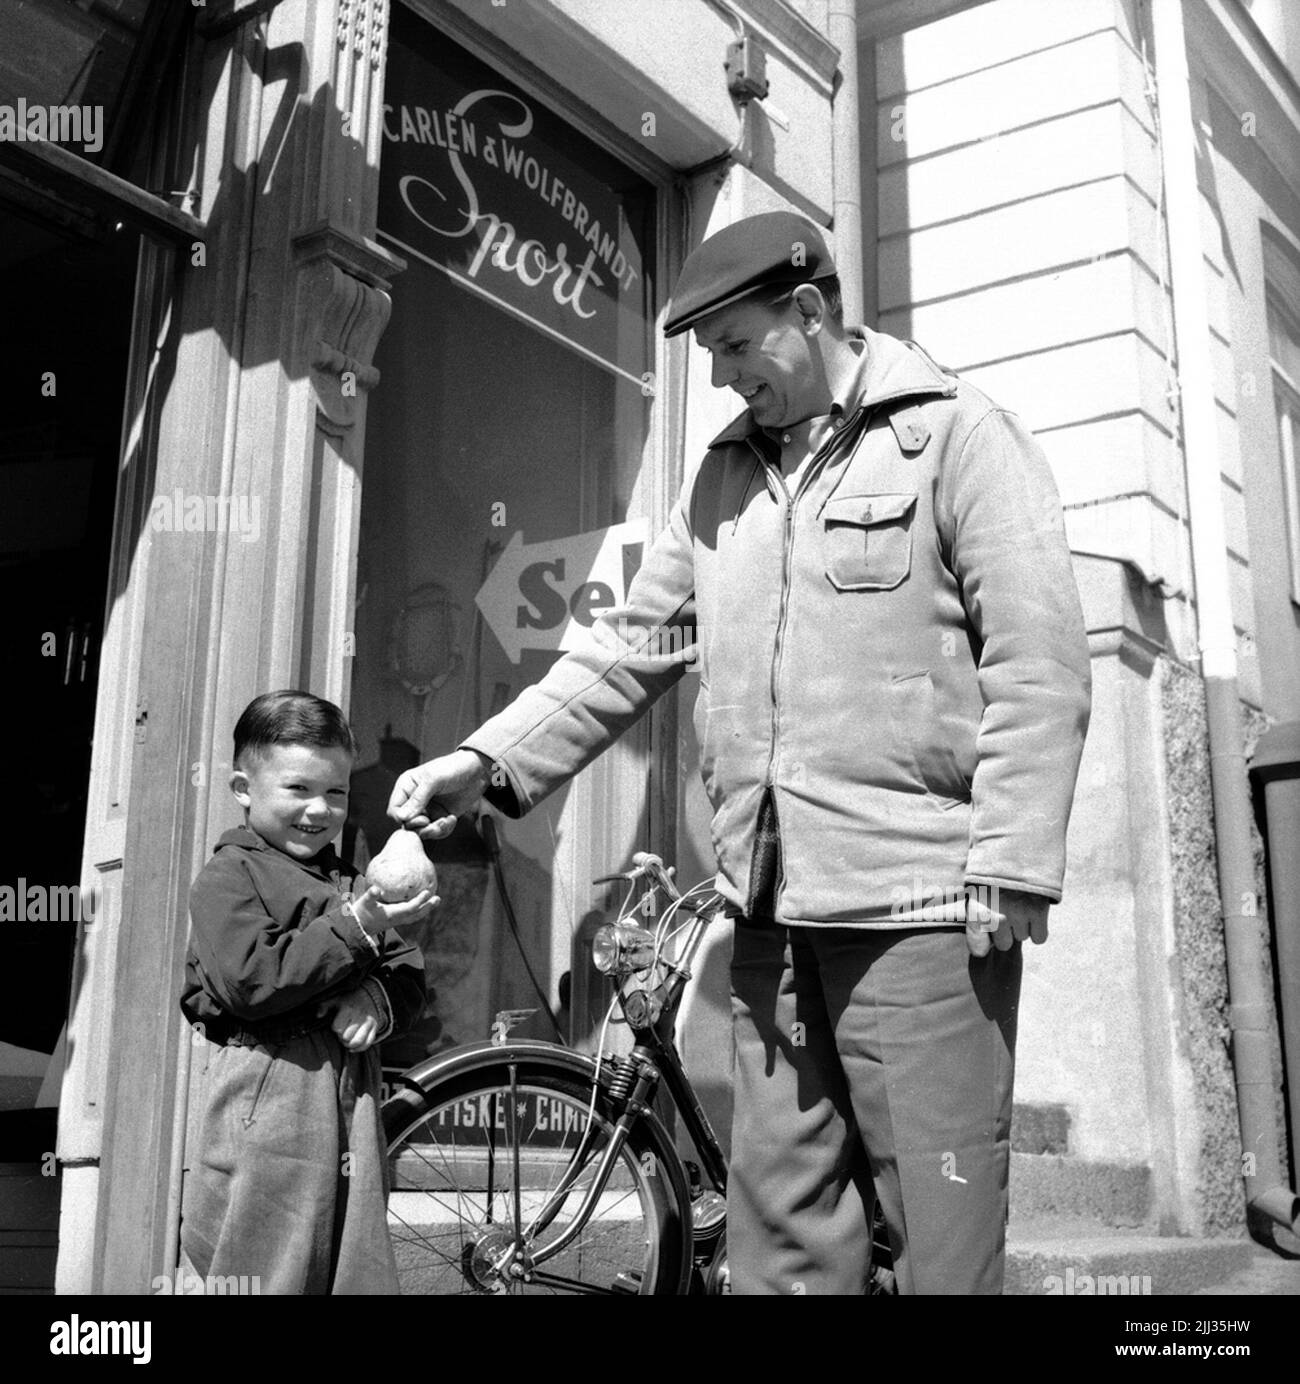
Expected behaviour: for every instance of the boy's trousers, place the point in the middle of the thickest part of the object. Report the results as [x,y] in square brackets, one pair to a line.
[287,1184]
[861,1055]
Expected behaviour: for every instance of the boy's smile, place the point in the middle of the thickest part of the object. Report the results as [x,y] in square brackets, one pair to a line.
[295,797]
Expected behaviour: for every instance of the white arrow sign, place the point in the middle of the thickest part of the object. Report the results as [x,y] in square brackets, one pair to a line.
[548,595]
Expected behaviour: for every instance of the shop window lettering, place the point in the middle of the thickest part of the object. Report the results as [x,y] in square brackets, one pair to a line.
[451,131]
[427,125]
[529,260]
[531,264]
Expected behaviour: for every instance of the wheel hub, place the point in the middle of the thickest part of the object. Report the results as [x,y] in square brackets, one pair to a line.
[490,1264]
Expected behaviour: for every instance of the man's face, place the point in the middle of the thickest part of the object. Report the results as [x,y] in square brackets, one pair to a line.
[295,796]
[768,356]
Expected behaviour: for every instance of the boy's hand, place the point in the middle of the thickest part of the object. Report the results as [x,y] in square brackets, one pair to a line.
[356,1021]
[375,916]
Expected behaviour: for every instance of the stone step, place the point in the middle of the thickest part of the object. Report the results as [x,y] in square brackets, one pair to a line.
[1113,1194]
[1039,1128]
[1049,1255]
[29,1200]
[29,1228]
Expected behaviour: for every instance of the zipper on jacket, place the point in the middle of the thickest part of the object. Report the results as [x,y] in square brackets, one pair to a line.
[787,545]
[814,466]
[776,482]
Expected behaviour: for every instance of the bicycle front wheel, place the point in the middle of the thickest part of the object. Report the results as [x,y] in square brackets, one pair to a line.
[474,1164]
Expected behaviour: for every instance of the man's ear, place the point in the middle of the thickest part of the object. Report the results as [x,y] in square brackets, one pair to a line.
[239,787]
[811,306]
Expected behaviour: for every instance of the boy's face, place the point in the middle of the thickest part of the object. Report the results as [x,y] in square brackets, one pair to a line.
[295,796]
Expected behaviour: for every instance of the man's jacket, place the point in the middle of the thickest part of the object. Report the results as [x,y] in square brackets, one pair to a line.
[896,649]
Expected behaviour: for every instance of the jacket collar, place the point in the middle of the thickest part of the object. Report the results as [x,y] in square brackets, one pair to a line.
[322,863]
[242,836]
[888,369]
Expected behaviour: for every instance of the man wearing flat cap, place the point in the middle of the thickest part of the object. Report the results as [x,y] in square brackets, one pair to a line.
[894,692]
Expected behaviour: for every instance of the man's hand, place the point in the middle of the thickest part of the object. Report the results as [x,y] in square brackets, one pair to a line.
[355,1020]
[1016,917]
[430,797]
[375,916]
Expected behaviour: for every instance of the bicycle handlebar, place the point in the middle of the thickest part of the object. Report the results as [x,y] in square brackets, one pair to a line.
[646,865]
[653,866]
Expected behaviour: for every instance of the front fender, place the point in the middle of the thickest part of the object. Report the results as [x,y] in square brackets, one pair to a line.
[456,1063]
[470,1057]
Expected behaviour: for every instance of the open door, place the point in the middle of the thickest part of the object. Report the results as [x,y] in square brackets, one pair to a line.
[64,351]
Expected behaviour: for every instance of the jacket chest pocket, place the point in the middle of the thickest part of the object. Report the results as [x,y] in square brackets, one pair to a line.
[868,540]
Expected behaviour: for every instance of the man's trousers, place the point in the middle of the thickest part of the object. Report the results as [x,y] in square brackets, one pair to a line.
[864,1056]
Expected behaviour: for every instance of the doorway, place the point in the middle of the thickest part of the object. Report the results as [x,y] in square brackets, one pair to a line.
[68,297]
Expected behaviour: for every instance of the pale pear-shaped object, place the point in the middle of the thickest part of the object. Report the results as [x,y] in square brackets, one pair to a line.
[401,869]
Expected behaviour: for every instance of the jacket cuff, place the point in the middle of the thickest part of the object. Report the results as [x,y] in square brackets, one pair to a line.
[1014,886]
[506,796]
[362,945]
[379,998]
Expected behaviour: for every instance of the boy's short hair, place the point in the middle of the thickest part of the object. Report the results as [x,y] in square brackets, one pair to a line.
[290,717]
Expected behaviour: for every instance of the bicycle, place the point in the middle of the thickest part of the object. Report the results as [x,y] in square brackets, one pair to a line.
[525,1166]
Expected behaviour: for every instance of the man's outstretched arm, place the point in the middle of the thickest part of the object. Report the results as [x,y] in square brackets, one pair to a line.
[595,693]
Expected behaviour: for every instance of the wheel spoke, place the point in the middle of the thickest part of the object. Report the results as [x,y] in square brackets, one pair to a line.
[518,1190]
[472,1183]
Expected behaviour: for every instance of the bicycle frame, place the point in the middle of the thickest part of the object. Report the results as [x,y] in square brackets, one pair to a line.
[651,969]
[654,1058]
[655,1042]
[472,1057]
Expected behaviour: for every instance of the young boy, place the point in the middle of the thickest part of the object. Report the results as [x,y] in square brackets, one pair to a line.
[294,980]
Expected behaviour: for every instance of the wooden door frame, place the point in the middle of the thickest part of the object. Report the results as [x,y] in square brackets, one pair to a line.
[250,373]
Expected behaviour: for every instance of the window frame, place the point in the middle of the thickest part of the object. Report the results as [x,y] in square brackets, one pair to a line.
[1286,411]
[651,798]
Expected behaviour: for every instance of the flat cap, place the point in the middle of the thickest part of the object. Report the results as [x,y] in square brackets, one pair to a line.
[777,247]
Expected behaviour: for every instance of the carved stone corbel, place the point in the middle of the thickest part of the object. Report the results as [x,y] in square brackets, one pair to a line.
[362,22]
[346,306]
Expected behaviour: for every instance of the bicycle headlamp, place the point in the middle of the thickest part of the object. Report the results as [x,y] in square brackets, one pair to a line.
[622,949]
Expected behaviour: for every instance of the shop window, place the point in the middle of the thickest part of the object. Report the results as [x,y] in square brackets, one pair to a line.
[1284,354]
[66,69]
[507,447]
